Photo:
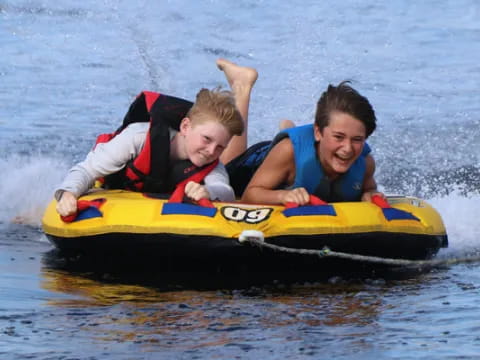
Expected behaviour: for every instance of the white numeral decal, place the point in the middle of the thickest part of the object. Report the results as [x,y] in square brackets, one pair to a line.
[249,216]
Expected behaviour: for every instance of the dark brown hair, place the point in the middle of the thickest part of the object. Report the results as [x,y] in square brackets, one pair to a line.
[344,98]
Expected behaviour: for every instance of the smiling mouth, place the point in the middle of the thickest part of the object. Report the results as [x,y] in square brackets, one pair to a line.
[343,158]
[204,157]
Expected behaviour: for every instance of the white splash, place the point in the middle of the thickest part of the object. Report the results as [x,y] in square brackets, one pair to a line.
[460,216]
[28,188]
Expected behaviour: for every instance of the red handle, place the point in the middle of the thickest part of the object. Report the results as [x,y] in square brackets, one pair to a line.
[179,193]
[69,218]
[380,201]
[313,200]
[81,205]
[205,203]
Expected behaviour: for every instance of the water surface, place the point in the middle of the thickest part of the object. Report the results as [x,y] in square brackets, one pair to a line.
[68,71]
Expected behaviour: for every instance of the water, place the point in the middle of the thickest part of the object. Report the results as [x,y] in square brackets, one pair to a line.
[68,71]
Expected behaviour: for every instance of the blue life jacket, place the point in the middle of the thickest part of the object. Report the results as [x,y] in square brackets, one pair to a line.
[310,174]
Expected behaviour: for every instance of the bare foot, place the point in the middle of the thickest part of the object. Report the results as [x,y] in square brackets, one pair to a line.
[237,76]
[241,80]
[286,124]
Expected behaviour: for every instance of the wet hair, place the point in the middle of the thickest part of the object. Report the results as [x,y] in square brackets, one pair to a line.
[344,98]
[220,106]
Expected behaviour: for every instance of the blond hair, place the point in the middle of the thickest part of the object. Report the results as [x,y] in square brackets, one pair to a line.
[220,106]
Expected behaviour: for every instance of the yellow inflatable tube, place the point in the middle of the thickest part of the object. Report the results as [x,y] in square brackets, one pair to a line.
[410,228]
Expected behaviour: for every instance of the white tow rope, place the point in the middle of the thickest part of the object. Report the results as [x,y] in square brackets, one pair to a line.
[256,238]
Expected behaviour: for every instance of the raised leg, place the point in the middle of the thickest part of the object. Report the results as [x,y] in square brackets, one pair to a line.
[241,80]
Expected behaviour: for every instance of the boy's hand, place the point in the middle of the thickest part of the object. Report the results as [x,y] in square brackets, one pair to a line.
[195,191]
[367,195]
[298,196]
[67,205]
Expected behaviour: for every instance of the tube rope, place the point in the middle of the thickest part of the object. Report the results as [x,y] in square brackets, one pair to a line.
[326,252]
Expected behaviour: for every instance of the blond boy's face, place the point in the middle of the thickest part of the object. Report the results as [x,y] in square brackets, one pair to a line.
[204,141]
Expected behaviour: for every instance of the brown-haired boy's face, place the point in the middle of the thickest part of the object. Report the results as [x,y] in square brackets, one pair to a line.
[340,143]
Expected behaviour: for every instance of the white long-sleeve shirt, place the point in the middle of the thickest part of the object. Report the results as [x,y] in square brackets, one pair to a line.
[110,157]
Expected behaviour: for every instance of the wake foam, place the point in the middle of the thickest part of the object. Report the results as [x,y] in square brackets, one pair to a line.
[460,215]
[28,188]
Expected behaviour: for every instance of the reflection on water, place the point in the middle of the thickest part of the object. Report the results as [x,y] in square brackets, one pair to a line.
[147,315]
[88,292]
[108,316]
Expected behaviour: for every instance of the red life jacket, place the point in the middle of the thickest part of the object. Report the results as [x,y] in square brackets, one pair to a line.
[152,171]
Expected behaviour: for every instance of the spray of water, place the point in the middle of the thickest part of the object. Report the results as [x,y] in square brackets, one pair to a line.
[25,193]
[460,216]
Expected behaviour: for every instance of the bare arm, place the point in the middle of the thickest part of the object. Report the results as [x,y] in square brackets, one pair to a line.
[369,183]
[278,168]
[241,80]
